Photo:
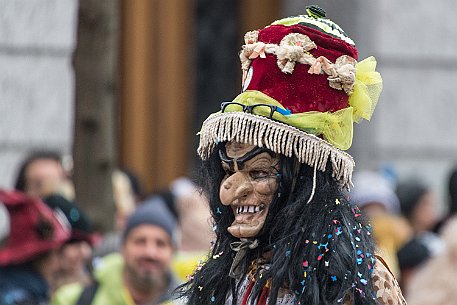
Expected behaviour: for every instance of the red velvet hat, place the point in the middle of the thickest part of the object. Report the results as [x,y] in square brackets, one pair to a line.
[34,229]
[302,91]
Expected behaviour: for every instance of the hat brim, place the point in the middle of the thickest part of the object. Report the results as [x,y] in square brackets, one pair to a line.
[278,137]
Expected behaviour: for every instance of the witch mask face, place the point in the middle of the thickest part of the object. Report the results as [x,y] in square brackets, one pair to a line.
[249,186]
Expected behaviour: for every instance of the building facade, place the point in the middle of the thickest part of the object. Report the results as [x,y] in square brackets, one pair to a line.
[412,130]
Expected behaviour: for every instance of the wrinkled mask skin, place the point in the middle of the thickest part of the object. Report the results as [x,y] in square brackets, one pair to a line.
[248,187]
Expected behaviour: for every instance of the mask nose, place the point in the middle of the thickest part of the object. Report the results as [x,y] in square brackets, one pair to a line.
[234,188]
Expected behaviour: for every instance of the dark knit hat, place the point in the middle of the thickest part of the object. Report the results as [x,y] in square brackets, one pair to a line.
[81,225]
[412,254]
[409,194]
[453,191]
[154,212]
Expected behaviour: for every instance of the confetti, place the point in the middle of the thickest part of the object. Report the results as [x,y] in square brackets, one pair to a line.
[218,211]
[287,253]
[200,288]
[337,201]
[213,299]
[305,264]
[356,212]
[323,245]
[326,263]
[215,256]
[333,277]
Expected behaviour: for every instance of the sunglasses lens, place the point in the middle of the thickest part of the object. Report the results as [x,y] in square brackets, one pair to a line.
[232,107]
[263,110]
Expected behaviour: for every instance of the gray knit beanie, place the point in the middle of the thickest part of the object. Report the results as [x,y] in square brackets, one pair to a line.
[152,211]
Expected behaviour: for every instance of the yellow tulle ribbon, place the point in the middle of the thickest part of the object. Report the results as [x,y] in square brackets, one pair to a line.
[367,89]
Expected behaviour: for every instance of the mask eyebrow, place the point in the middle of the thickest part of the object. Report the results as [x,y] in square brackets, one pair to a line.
[240,161]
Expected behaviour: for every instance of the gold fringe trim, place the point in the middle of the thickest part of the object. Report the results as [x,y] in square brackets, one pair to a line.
[278,137]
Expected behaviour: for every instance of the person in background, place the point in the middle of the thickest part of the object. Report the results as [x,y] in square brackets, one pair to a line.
[76,254]
[376,197]
[435,282]
[125,202]
[419,206]
[194,216]
[42,173]
[191,209]
[140,273]
[411,257]
[31,237]
[452,201]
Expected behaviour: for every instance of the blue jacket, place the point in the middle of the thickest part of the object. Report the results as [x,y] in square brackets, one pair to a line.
[22,285]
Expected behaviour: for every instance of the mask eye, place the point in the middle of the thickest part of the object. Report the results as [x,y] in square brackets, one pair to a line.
[259,174]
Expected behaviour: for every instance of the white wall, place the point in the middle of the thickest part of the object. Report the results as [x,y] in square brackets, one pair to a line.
[37,38]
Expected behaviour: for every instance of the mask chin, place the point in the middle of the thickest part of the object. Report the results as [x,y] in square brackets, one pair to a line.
[246,230]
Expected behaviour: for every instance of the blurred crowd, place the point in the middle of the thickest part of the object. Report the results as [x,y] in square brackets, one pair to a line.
[412,233]
[51,254]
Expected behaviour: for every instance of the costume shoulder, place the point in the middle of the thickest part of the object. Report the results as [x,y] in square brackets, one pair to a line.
[67,295]
[388,291]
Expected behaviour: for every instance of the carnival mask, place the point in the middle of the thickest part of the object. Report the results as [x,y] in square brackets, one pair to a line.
[249,186]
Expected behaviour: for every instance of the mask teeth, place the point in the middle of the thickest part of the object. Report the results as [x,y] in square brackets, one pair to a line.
[249,209]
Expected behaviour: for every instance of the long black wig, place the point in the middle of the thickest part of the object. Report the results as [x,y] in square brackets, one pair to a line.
[321,251]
